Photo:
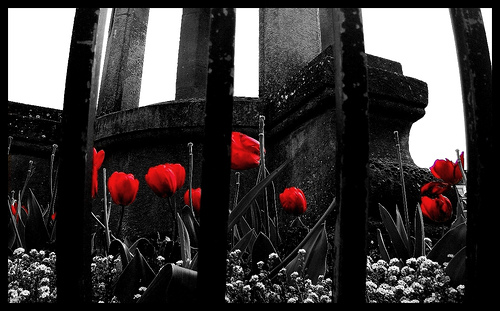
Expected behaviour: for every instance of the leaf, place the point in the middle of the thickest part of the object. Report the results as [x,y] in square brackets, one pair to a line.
[172,284]
[13,235]
[273,232]
[184,241]
[191,224]
[456,268]
[244,226]
[136,274]
[450,243]
[314,262]
[246,241]
[144,245]
[309,236]
[243,205]
[36,233]
[261,249]
[401,229]
[396,239]
[419,249]
[117,247]
[381,246]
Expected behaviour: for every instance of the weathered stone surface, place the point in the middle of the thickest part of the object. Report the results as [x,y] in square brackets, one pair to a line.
[34,129]
[135,140]
[122,73]
[289,39]
[300,124]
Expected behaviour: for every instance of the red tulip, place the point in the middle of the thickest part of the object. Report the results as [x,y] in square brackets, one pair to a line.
[123,188]
[14,210]
[437,209]
[245,152]
[448,171]
[196,195]
[434,188]
[98,159]
[293,201]
[180,174]
[165,179]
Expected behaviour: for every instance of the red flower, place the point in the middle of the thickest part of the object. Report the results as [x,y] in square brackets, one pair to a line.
[98,159]
[434,188]
[180,174]
[437,209]
[196,195]
[245,152]
[434,204]
[166,179]
[123,188]
[448,171]
[13,208]
[293,201]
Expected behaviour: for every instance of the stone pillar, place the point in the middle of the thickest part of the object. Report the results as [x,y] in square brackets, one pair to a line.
[326,27]
[193,54]
[289,38]
[122,74]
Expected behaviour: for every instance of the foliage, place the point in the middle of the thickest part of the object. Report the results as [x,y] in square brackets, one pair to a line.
[452,243]
[163,270]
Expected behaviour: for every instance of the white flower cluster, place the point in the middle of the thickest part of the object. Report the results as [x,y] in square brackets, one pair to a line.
[246,286]
[414,281]
[31,276]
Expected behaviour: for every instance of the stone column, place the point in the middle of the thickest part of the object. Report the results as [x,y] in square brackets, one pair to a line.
[289,38]
[193,54]
[326,27]
[122,74]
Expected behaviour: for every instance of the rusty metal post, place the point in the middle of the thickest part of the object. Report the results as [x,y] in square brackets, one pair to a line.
[73,205]
[351,96]
[216,169]
[476,79]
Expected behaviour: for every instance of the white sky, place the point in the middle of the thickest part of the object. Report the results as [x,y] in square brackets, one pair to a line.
[420,39]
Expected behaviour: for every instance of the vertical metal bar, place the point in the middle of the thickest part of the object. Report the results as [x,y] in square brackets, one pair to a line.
[476,79]
[211,283]
[351,96]
[73,205]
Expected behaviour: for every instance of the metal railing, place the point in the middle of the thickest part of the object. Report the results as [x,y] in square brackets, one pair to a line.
[73,207]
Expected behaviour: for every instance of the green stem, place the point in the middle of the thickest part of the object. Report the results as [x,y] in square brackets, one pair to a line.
[121,220]
[403,188]
[461,167]
[10,143]
[237,189]
[174,218]
[31,170]
[293,253]
[263,169]
[106,217]
[52,156]
[190,147]
[102,225]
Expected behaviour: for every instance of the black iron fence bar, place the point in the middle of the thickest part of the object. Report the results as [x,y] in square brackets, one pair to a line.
[215,179]
[73,206]
[351,97]
[476,80]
